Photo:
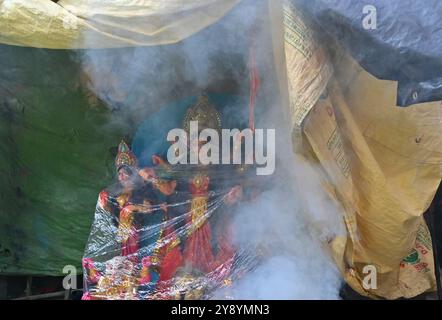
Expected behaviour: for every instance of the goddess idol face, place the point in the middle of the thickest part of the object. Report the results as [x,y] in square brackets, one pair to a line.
[126,177]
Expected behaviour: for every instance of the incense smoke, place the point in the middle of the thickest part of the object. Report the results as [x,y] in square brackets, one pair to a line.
[293,219]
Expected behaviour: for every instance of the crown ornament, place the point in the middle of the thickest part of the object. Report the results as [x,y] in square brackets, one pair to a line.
[205,113]
[125,156]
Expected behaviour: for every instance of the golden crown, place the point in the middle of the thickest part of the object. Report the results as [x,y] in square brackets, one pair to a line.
[203,112]
[125,156]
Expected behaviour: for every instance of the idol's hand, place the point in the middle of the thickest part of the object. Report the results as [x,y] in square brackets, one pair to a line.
[130,209]
[158,161]
[166,187]
[234,195]
[147,174]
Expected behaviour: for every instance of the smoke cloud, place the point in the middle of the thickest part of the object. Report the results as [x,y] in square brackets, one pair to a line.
[292,221]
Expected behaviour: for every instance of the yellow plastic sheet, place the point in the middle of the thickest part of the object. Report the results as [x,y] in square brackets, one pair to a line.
[384,163]
[380,162]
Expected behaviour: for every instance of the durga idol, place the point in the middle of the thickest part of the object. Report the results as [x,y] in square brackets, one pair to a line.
[203,198]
